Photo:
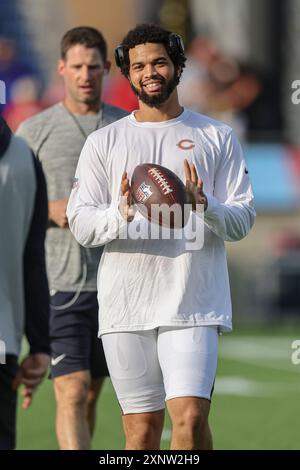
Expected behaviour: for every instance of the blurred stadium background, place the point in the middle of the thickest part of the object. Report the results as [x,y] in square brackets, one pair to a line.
[243,56]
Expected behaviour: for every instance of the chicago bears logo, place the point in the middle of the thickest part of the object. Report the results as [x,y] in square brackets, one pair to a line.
[186,144]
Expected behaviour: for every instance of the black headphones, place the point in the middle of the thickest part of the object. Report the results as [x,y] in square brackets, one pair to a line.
[121,54]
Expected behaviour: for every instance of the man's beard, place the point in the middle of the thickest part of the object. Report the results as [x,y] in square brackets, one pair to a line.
[159,98]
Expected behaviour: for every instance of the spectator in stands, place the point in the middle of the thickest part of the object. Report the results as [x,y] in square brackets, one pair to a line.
[12,67]
[217,85]
[24,102]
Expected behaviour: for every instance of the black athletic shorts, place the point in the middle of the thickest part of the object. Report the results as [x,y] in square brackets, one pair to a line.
[74,338]
[8,403]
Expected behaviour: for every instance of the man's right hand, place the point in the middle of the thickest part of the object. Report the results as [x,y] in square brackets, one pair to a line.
[126,207]
[57,212]
[30,374]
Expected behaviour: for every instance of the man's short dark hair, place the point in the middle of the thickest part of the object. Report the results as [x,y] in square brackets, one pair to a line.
[148,32]
[85,35]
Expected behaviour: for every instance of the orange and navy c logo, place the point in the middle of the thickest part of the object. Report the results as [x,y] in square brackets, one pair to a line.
[186,144]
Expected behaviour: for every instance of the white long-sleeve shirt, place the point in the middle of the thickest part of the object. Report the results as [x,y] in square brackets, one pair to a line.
[144,283]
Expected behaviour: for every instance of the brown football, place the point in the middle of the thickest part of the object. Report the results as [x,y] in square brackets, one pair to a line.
[155,189]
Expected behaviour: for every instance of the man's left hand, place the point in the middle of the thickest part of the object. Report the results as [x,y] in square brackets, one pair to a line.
[194,186]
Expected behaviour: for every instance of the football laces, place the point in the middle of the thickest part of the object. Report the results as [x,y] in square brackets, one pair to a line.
[158,177]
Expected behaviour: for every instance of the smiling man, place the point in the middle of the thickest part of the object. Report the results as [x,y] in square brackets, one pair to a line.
[161,304]
[155,89]
[57,136]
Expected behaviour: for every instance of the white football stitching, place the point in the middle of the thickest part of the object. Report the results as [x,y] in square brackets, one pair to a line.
[160,180]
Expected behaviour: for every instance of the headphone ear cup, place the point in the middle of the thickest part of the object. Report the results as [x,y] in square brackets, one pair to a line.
[120,57]
[117,57]
[175,42]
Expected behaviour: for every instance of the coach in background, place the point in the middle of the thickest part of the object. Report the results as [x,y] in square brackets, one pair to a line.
[24,297]
[57,136]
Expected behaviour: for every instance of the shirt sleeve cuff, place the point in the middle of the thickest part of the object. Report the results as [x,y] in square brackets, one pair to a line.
[120,221]
[212,207]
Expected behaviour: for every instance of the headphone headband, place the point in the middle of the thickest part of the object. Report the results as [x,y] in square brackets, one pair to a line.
[121,54]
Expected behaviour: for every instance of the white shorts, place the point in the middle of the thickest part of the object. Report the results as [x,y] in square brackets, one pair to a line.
[149,367]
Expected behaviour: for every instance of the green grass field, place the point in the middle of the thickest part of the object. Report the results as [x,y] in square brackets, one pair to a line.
[255,403]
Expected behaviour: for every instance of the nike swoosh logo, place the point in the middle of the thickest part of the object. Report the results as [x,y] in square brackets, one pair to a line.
[55,361]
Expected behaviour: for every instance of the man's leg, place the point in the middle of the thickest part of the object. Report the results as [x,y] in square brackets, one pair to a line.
[80,409]
[190,429]
[98,366]
[8,403]
[143,430]
[136,376]
[77,379]
[93,395]
[188,359]
[71,393]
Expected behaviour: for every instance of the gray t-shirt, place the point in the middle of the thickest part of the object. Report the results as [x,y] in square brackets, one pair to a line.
[57,138]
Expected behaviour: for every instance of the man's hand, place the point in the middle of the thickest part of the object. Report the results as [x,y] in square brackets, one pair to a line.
[57,212]
[126,205]
[30,374]
[194,186]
